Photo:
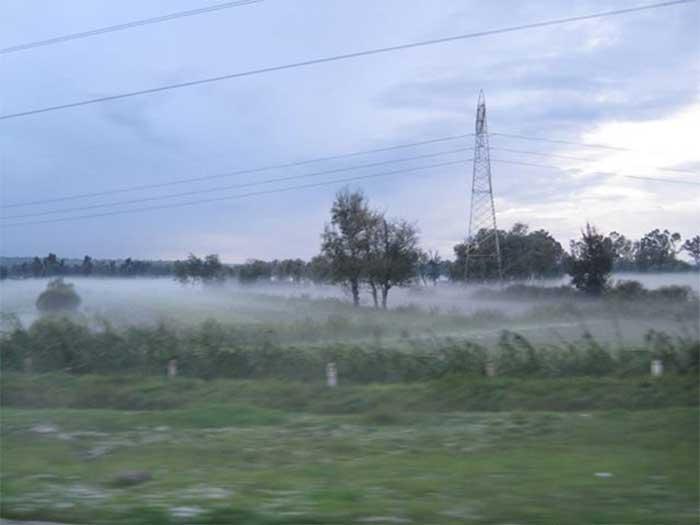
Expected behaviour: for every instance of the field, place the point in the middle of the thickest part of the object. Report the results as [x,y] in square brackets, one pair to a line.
[275,452]
[493,409]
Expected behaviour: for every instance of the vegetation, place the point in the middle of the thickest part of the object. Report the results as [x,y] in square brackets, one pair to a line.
[692,246]
[213,350]
[363,247]
[58,297]
[194,269]
[455,392]
[624,290]
[268,452]
[591,261]
[525,254]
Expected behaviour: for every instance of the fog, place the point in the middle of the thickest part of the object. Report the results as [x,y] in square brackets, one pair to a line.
[421,309]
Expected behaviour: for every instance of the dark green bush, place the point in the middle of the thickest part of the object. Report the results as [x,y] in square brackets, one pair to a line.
[529,292]
[627,290]
[672,293]
[58,296]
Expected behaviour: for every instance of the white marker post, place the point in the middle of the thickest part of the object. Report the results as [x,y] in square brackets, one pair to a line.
[657,368]
[490,370]
[331,375]
[172,368]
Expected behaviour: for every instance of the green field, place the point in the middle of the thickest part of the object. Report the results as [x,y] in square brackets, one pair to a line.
[277,452]
[543,415]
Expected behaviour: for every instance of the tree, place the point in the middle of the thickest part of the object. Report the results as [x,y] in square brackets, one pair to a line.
[692,246]
[657,250]
[591,261]
[624,251]
[524,255]
[87,266]
[287,269]
[52,265]
[393,256]
[319,269]
[37,267]
[346,240]
[430,266]
[194,269]
[254,270]
[58,296]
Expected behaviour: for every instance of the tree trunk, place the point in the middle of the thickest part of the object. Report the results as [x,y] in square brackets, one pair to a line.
[385,294]
[355,290]
[375,298]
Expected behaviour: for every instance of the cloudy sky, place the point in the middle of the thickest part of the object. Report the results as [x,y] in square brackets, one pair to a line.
[630,82]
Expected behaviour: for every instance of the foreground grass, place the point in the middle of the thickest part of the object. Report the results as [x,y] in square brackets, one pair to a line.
[271,452]
[538,467]
[453,393]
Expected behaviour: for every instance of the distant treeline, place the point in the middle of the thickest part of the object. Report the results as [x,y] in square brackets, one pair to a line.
[526,254]
[396,260]
[53,266]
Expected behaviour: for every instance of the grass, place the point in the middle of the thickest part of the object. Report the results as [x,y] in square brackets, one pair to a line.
[421,467]
[453,393]
[574,433]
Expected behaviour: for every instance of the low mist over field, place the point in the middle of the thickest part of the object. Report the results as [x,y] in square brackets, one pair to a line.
[138,301]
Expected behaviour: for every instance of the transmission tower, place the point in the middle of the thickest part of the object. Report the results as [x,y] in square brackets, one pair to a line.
[482,213]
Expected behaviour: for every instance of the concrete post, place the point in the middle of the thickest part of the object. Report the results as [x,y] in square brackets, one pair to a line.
[490,370]
[657,368]
[331,375]
[172,368]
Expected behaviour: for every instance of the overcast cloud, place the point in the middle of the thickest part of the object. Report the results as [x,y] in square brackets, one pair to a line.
[629,81]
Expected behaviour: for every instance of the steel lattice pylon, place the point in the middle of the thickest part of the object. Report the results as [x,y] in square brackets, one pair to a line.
[482,213]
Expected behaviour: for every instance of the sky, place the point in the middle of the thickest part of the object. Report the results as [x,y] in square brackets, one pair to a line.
[629,82]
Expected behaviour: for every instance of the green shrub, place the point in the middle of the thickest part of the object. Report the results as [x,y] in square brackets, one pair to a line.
[58,296]
[672,293]
[627,290]
[529,292]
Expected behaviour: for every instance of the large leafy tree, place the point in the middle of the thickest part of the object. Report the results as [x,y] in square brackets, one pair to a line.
[346,241]
[624,251]
[393,256]
[591,261]
[524,254]
[692,246]
[657,250]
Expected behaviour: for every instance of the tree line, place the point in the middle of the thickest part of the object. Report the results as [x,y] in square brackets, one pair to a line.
[53,266]
[363,250]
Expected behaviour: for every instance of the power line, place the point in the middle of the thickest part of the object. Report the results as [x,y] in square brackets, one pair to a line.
[586,145]
[303,186]
[580,159]
[239,172]
[608,173]
[537,153]
[554,141]
[241,195]
[127,25]
[345,56]
[233,186]
[293,177]
[659,179]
